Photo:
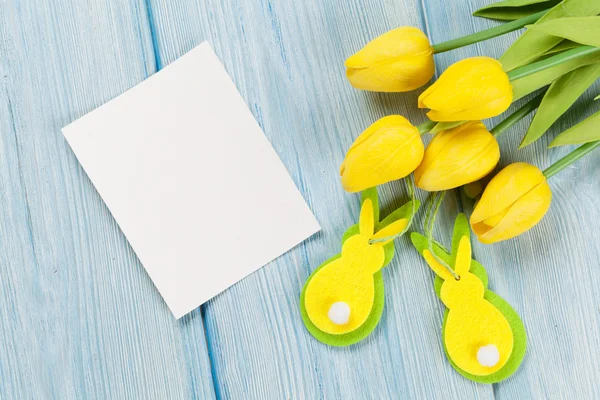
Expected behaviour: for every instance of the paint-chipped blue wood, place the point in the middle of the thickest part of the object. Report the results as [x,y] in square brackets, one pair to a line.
[81,319]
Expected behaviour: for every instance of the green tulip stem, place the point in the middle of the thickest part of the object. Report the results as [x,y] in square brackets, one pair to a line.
[518,115]
[435,200]
[426,127]
[487,33]
[570,158]
[550,62]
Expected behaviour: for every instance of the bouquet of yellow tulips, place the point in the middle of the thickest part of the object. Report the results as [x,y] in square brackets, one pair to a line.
[558,53]
[559,56]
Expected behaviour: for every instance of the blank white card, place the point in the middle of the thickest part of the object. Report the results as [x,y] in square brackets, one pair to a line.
[193,183]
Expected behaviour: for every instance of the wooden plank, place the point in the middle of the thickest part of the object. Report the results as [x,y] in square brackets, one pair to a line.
[80,318]
[286,57]
[549,274]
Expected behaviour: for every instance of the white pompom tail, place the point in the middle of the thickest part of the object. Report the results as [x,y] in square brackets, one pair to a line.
[339,313]
[488,356]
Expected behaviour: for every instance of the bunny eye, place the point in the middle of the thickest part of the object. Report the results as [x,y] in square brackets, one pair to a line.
[488,356]
[339,313]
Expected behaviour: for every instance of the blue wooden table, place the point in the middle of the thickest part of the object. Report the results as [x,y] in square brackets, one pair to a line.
[79,317]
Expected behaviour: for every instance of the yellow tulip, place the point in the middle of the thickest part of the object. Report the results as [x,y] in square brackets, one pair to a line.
[473,189]
[458,156]
[472,89]
[388,150]
[397,61]
[513,202]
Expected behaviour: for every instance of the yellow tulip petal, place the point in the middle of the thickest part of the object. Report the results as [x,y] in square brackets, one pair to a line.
[399,42]
[391,121]
[495,220]
[388,150]
[473,189]
[471,89]
[434,147]
[464,84]
[456,157]
[401,74]
[523,215]
[505,189]
[482,111]
[397,61]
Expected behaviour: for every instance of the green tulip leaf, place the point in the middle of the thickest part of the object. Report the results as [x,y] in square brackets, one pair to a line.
[509,10]
[444,126]
[586,131]
[562,46]
[560,96]
[532,44]
[584,30]
[524,86]
[597,97]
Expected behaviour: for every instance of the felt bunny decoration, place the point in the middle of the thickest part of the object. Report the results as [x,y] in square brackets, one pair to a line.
[483,336]
[342,301]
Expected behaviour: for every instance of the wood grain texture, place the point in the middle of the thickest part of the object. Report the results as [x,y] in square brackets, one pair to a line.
[81,319]
[548,274]
[291,75]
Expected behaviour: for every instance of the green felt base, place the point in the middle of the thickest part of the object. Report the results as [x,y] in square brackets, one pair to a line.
[356,335]
[519,345]
[518,329]
[372,321]
[519,334]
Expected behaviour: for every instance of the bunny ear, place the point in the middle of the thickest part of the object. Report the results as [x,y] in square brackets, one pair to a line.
[421,244]
[366,223]
[390,231]
[397,222]
[372,194]
[461,228]
[438,268]
[463,256]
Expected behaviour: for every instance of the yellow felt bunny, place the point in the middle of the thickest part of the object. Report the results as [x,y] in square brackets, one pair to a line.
[483,336]
[340,296]
[478,337]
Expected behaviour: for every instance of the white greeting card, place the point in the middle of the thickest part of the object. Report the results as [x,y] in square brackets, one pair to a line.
[193,183]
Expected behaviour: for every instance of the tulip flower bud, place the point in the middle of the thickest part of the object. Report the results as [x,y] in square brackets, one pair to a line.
[472,89]
[458,156]
[513,202]
[473,189]
[397,61]
[388,150]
